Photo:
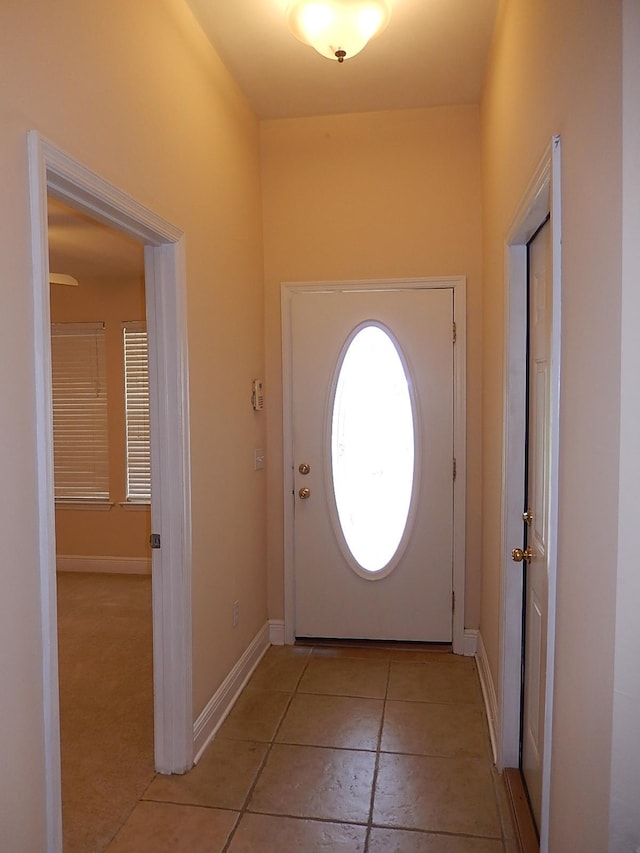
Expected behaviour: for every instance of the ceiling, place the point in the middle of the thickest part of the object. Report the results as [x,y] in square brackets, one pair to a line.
[83,247]
[432,53]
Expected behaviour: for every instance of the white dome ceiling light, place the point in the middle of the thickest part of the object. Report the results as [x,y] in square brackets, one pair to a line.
[338,29]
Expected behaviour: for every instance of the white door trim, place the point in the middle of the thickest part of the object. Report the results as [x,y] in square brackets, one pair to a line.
[541,198]
[458,285]
[51,170]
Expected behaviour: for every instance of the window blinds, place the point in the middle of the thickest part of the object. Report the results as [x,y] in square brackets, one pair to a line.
[136,383]
[80,437]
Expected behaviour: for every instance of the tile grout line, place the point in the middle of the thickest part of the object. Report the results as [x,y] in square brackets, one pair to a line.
[252,787]
[140,799]
[377,761]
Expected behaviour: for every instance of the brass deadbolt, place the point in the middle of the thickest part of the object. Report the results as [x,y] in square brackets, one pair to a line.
[519,556]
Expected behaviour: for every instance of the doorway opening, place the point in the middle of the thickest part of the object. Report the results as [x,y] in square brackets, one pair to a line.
[53,173]
[102,512]
[541,201]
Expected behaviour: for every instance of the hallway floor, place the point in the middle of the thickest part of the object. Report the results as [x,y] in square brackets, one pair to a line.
[338,749]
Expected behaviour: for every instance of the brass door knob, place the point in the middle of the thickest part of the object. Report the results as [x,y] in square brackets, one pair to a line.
[304,494]
[518,555]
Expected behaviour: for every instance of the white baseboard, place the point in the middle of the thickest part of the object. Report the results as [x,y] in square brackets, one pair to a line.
[276,632]
[110,565]
[488,693]
[470,642]
[223,700]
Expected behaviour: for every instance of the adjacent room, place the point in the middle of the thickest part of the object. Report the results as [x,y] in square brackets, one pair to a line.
[102,473]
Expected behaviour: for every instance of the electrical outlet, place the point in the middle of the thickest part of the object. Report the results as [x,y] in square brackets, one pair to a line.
[236,613]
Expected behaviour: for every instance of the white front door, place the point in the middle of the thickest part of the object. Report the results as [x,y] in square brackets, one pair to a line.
[372,388]
[536,515]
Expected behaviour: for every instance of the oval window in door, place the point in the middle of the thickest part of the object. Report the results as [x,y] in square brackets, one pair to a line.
[372,450]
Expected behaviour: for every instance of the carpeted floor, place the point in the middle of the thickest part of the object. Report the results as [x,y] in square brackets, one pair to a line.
[106,703]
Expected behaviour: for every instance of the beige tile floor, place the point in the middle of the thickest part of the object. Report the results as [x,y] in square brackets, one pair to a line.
[338,749]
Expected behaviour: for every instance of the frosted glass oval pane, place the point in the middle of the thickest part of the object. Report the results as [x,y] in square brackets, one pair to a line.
[372,448]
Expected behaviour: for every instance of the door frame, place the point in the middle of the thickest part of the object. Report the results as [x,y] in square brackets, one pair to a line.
[53,171]
[541,199]
[458,285]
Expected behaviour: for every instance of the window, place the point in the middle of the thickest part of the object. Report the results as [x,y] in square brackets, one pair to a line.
[372,448]
[80,439]
[136,396]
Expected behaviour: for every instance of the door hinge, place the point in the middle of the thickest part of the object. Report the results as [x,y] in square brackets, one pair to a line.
[455,333]
[154,540]
[453,601]
[455,469]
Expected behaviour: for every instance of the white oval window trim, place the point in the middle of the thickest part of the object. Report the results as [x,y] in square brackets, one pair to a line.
[370,392]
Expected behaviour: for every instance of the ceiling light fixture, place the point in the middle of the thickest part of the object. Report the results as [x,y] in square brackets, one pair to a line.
[337,29]
[62,278]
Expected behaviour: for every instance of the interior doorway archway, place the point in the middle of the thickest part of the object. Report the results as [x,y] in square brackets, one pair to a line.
[53,171]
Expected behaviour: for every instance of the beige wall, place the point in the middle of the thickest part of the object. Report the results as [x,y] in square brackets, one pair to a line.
[120,532]
[556,68]
[135,93]
[376,195]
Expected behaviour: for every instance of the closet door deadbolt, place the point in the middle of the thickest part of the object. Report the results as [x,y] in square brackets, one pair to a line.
[519,556]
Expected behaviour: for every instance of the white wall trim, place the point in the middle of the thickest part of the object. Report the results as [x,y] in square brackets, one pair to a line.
[541,198]
[107,565]
[458,285]
[470,647]
[488,693]
[52,171]
[223,700]
[276,632]
[624,814]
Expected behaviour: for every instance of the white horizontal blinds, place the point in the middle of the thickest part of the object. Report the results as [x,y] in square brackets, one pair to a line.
[80,433]
[136,392]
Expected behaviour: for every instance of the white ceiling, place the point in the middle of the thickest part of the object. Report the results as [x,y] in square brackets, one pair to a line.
[432,53]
